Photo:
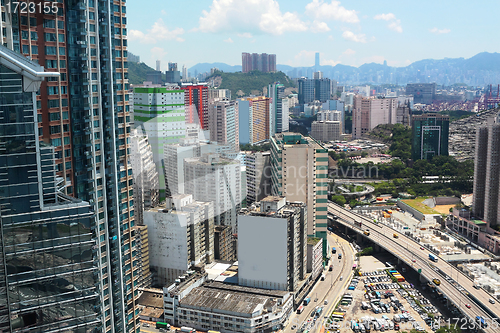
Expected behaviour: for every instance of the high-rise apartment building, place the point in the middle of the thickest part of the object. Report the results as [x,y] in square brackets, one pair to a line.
[299,171]
[142,246]
[279,122]
[181,234]
[317,89]
[322,89]
[254,119]
[43,231]
[368,112]
[196,103]
[429,135]
[223,123]
[258,174]
[262,62]
[325,131]
[215,179]
[172,75]
[422,92]
[146,179]
[160,112]
[486,191]
[306,90]
[279,259]
[86,42]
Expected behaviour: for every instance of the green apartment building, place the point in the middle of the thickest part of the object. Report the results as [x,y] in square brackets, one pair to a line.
[299,171]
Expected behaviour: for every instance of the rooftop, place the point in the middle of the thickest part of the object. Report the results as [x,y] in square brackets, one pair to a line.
[152,298]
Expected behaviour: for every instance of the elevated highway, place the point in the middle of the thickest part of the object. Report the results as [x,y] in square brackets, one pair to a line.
[460,292]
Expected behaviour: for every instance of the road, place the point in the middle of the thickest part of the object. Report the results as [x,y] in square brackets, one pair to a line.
[331,288]
[408,250]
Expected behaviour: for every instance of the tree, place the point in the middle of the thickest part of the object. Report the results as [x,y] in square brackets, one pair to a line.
[353,203]
[339,200]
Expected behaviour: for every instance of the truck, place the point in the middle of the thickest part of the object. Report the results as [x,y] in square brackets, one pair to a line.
[307,300]
[433,257]
[160,324]
[188,329]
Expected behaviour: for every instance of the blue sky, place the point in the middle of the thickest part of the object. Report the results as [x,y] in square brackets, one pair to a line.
[347,32]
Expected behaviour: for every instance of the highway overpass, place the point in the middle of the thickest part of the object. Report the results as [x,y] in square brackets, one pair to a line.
[417,257]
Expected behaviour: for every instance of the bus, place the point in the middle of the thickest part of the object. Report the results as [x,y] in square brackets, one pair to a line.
[300,309]
[213,331]
[318,311]
[334,250]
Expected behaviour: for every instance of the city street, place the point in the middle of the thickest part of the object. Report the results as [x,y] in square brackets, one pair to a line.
[331,288]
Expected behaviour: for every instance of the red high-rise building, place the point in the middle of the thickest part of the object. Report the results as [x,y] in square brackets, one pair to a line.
[196,103]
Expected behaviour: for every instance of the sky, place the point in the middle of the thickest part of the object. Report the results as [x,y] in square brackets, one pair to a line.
[347,32]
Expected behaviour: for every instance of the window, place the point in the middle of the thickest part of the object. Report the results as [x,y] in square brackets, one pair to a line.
[52,90]
[49,37]
[60,24]
[51,63]
[61,38]
[92,27]
[50,23]
[56,142]
[53,103]
[65,113]
[66,140]
[93,52]
[62,64]
[55,129]
[62,50]
[34,49]
[64,102]
[50,50]
[91,16]
[26,49]
[33,21]
[34,35]
[24,33]
[54,116]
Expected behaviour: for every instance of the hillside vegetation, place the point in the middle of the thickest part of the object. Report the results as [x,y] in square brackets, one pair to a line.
[137,72]
[248,82]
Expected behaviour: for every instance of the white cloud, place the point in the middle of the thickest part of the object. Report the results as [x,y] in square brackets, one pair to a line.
[229,40]
[321,10]
[163,12]
[375,58]
[385,17]
[331,62]
[394,23]
[245,35]
[244,16]
[349,52]
[158,32]
[318,26]
[303,58]
[349,35]
[439,31]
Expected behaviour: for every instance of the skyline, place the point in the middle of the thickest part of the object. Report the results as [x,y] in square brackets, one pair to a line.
[342,32]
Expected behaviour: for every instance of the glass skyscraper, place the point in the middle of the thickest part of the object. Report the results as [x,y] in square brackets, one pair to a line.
[84,115]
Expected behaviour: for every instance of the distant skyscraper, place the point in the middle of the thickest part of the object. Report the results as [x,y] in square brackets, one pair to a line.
[184,73]
[158,66]
[429,135]
[196,102]
[172,75]
[422,92]
[279,122]
[254,119]
[306,90]
[322,89]
[369,112]
[223,123]
[317,75]
[487,173]
[160,112]
[215,179]
[262,62]
[316,61]
[299,171]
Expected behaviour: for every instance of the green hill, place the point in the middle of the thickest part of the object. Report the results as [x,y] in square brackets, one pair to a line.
[137,72]
[248,82]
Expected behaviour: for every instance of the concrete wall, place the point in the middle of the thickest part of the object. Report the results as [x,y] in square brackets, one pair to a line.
[408,208]
[262,252]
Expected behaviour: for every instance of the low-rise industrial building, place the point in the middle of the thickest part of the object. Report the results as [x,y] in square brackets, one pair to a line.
[326,130]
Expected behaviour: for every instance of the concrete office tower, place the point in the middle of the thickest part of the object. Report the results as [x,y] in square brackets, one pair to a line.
[181,234]
[279,259]
[258,175]
[403,115]
[322,89]
[224,243]
[160,112]
[299,171]
[218,180]
[158,65]
[326,130]
[262,62]
[142,245]
[306,90]
[174,156]
[317,75]
[172,75]
[278,109]
[184,73]
[146,180]
[316,61]
[86,43]
[429,135]
[223,123]
[333,105]
[42,229]
[487,173]
[216,95]
[196,102]
[422,92]
[254,119]
[370,112]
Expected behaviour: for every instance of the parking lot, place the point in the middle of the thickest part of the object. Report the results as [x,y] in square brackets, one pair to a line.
[378,303]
